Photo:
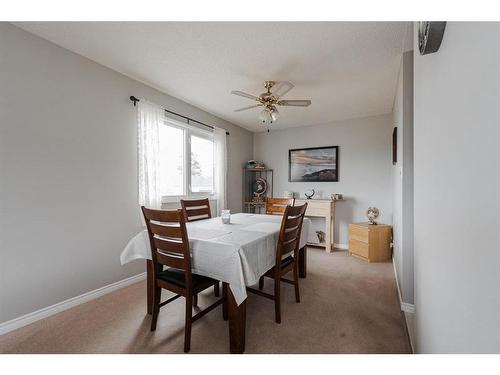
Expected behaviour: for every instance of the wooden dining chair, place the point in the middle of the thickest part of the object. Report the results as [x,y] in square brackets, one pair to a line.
[288,244]
[276,206]
[170,247]
[198,209]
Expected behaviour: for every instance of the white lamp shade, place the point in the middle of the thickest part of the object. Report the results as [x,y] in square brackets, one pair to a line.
[275,114]
[265,117]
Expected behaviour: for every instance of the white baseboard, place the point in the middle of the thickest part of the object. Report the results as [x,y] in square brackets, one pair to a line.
[67,304]
[342,246]
[406,307]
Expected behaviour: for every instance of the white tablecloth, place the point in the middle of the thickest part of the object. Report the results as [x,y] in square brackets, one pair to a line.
[237,253]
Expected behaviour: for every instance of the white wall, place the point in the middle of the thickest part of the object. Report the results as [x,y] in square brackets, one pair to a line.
[365,165]
[403,181]
[457,192]
[68,171]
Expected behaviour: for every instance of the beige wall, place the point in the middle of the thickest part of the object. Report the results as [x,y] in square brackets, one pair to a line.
[68,171]
[365,165]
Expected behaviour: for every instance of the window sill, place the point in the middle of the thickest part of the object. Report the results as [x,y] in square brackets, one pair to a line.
[177,198]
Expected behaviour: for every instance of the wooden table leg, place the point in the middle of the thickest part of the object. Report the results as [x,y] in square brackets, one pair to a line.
[303,262]
[149,285]
[224,305]
[237,323]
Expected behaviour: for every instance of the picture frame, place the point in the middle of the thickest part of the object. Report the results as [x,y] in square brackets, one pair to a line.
[313,164]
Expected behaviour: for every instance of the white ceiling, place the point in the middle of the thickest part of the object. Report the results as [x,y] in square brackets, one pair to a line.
[347,69]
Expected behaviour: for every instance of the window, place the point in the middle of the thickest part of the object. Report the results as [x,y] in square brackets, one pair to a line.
[186,160]
[202,164]
[172,160]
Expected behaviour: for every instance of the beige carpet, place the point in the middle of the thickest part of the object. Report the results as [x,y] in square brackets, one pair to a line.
[347,306]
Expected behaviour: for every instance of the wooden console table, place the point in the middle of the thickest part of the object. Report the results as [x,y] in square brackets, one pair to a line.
[322,208]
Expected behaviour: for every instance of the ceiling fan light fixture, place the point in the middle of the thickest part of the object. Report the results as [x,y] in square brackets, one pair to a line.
[265,117]
[274,114]
[270,99]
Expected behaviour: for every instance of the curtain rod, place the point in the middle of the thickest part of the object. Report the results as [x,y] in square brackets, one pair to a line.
[135,100]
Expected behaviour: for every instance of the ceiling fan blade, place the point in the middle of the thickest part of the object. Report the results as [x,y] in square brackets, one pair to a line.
[281,88]
[249,107]
[244,94]
[295,103]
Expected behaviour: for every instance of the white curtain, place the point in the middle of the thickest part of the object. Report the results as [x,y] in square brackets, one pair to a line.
[149,119]
[220,168]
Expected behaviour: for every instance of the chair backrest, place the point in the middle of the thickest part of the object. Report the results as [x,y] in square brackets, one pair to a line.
[196,209]
[291,227]
[276,206]
[168,239]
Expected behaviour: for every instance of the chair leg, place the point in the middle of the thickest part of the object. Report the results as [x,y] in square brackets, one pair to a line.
[277,299]
[224,303]
[216,290]
[156,306]
[296,282]
[261,283]
[195,300]
[187,327]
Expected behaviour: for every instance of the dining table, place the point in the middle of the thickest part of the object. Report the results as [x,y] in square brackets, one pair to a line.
[237,253]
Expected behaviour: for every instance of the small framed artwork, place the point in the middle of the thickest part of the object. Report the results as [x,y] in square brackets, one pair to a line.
[395,146]
[315,164]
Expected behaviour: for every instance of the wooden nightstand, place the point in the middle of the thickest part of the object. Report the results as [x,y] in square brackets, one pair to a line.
[370,242]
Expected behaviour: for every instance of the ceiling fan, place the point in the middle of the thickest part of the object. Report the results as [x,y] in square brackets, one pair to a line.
[270,99]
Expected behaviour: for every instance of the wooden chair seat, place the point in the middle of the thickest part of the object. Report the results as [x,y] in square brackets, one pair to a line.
[177,277]
[285,262]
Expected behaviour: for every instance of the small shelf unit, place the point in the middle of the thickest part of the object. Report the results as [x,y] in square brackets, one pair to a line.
[250,175]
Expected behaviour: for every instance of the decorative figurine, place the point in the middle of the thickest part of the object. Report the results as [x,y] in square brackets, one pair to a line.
[372,213]
[321,236]
[259,189]
[336,197]
[309,193]
[259,186]
[252,164]
[259,165]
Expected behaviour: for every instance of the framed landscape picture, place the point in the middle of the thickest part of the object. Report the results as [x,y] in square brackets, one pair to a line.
[316,164]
